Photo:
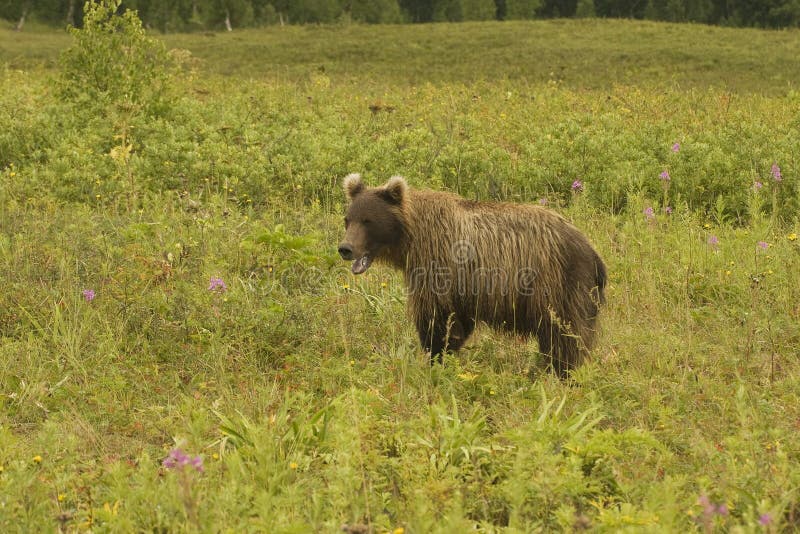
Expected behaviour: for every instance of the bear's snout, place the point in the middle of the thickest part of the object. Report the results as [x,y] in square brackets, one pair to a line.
[346,251]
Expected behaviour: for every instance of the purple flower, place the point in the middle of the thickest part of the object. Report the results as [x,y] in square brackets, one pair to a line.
[648,213]
[722,509]
[88,295]
[764,519]
[713,241]
[668,210]
[197,463]
[217,284]
[543,201]
[664,176]
[175,458]
[577,186]
[676,147]
[776,172]
[178,459]
[757,185]
[763,245]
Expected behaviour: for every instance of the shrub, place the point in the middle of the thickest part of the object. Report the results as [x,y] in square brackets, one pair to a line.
[113,61]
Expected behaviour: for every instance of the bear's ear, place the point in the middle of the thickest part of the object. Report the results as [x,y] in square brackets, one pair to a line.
[353,185]
[395,190]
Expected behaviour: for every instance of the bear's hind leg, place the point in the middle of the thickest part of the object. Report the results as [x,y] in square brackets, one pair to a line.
[560,346]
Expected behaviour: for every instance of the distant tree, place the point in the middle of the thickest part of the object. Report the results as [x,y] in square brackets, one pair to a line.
[320,11]
[585,9]
[679,10]
[558,8]
[374,11]
[170,16]
[787,14]
[226,13]
[418,10]
[478,10]
[53,12]
[632,9]
[522,9]
[265,12]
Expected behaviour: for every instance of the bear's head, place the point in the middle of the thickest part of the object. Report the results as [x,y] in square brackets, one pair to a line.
[374,221]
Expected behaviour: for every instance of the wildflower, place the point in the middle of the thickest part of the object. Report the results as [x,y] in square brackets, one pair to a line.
[676,147]
[776,172]
[722,509]
[88,295]
[764,519]
[664,176]
[37,459]
[215,456]
[179,459]
[398,530]
[792,237]
[293,465]
[345,286]
[648,213]
[757,185]
[706,226]
[763,245]
[543,202]
[197,463]
[713,242]
[217,284]
[577,186]
[668,210]
[383,285]
[61,497]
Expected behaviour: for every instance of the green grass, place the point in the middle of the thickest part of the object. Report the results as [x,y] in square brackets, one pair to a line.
[303,388]
[590,53]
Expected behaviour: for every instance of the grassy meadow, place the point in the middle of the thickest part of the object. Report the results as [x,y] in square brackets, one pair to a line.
[183,351]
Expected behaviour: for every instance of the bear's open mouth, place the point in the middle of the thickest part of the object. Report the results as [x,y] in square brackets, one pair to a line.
[361,264]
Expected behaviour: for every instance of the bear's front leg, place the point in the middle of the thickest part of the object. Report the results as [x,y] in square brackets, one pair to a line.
[440,331]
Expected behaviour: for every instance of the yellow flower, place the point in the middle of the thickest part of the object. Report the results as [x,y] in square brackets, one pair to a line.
[215,456]
[706,226]
[37,459]
[1,468]
[792,237]
[384,284]
[12,174]
[293,465]
[345,286]
[727,273]
[399,530]
[60,497]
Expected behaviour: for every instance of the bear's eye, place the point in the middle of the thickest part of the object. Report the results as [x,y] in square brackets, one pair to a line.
[366,221]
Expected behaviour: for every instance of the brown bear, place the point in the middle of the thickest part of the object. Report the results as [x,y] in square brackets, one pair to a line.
[519,268]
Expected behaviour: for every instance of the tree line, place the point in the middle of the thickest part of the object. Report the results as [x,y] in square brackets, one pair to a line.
[192,15]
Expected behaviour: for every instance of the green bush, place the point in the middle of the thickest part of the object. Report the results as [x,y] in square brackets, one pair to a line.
[113,61]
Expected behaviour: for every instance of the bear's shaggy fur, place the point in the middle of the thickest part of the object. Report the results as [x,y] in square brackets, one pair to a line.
[519,268]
